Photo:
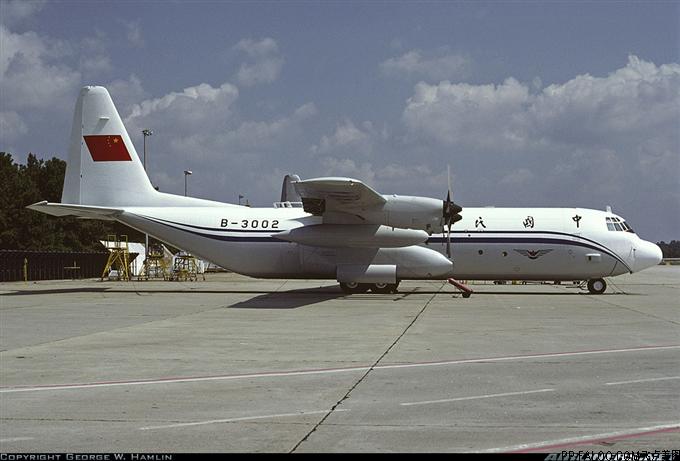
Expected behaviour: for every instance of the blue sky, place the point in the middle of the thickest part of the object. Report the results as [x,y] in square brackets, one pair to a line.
[532,103]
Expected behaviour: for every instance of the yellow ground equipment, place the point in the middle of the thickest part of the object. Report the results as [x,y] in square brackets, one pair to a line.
[119,257]
[155,266]
[185,268]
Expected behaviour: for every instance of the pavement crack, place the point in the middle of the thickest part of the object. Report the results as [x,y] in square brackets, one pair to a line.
[371,368]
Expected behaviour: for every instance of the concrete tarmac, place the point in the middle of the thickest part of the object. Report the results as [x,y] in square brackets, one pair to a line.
[234,364]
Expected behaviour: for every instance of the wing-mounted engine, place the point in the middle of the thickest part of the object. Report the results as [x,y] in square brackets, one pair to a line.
[350,201]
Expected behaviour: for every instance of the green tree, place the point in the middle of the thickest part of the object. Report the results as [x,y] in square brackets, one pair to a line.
[23,229]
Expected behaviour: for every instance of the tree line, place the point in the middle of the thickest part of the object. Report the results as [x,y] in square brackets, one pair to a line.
[23,229]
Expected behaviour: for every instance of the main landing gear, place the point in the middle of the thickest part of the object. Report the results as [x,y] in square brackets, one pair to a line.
[355,287]
[597,286]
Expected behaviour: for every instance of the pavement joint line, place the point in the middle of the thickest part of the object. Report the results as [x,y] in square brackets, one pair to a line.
[54,387]
[234,420]
[477,397]
[648,380]
[360,380]
[550,445]
[644,314]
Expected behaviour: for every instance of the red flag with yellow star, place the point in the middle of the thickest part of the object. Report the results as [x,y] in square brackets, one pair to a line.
[107,148]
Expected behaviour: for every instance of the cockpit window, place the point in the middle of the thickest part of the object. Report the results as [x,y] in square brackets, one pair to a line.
[617,224]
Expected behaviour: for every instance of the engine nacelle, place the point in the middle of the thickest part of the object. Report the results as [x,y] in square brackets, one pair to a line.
[409,212]
[376,265]
[371,273]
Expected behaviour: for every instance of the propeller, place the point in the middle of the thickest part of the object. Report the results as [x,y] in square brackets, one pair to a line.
[450,213]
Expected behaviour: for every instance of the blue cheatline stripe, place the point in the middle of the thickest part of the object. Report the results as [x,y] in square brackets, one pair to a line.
[456,240]
[214,229]
[224,238]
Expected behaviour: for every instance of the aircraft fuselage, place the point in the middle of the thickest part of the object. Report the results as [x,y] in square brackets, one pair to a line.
[488,244]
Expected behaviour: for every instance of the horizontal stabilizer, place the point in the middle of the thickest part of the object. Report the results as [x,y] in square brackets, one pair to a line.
[81,211]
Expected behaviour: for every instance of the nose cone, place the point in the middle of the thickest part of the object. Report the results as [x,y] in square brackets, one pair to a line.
[647,255]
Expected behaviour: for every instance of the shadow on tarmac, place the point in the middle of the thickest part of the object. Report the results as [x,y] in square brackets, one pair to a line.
[291,298]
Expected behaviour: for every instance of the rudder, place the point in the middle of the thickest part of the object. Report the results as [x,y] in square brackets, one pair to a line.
[103,167]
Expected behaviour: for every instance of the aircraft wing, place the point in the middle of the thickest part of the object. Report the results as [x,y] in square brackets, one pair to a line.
[343,195]
[81,211]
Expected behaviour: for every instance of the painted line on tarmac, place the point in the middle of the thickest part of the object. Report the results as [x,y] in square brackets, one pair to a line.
[531,356]
[551,445]
[16,439]
[476,397]
[649,380]
[274,374]
[233,420]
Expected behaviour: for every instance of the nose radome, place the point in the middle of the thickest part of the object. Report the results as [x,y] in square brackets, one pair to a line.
[647,255]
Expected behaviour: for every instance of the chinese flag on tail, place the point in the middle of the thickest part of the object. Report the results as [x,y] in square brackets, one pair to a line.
[107,148]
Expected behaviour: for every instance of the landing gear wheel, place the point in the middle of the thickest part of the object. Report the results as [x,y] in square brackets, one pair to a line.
[597,286]
[384,287]
[354,287]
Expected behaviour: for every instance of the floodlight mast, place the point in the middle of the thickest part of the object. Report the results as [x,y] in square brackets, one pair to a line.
[146,132]
[186,173]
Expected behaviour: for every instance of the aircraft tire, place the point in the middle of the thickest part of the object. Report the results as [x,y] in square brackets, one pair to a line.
[597,286]
[384,287]
[354,287]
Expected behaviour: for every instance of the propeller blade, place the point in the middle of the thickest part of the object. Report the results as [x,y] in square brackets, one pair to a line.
[448,242]
[449,212]
[448,174]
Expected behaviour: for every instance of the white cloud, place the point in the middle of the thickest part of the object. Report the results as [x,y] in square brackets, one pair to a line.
[11,126]
[588,141]
[127,93]
[201,128]
[471,115]
[31,72]
[440,65]
[95,65]
[15,11]
[350,139]
[638,101]
[201,108]
[264,62]
[134,33]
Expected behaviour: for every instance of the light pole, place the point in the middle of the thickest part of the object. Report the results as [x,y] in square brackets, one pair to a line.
[186,173]
[146,133]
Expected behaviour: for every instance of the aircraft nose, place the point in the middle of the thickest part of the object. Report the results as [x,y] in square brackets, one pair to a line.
[647,255]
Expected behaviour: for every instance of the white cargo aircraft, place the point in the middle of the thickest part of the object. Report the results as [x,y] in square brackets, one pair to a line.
[344,230]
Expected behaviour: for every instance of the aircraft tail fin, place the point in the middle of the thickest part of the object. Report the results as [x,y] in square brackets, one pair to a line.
[288,192]
[103,167]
